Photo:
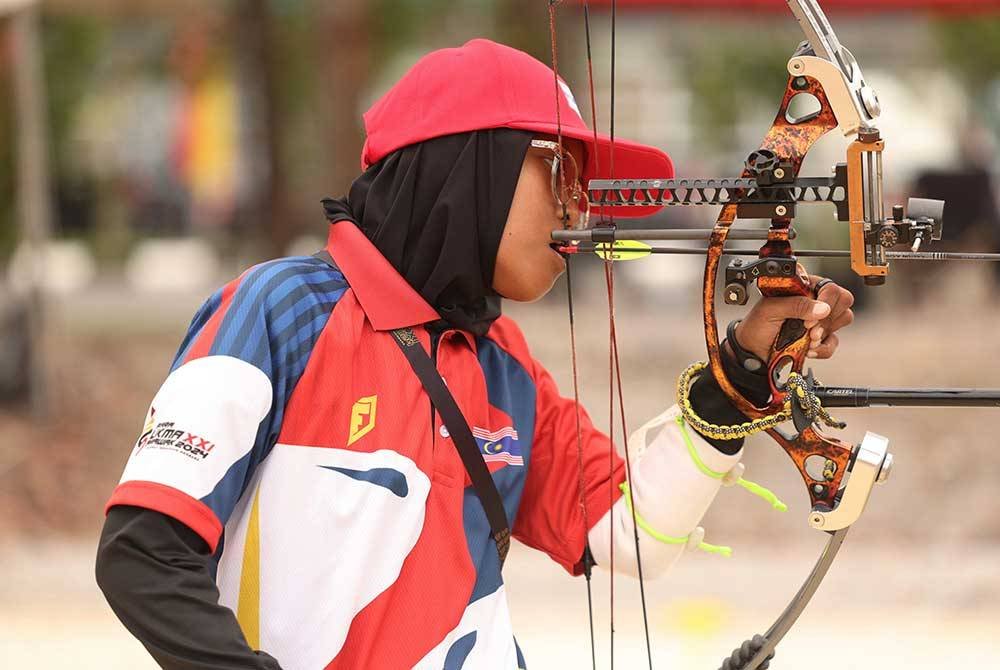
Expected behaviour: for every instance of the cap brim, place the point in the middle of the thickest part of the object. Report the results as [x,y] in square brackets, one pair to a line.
[631,161]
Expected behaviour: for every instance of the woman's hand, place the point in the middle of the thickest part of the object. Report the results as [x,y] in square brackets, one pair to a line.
[823,317]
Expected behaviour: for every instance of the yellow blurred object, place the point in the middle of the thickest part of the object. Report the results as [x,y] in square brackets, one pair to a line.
[697,617]
[209,162]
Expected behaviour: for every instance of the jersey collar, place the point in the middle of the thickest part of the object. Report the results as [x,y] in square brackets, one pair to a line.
[387,299]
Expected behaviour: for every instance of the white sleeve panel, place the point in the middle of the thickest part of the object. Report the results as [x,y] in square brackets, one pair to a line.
[669,492]
[203,419]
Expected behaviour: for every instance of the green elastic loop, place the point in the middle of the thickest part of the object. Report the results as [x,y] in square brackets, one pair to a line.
[765,494]
[667,539]
[752,487]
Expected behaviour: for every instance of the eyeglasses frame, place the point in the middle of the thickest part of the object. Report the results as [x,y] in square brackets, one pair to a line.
[578,193]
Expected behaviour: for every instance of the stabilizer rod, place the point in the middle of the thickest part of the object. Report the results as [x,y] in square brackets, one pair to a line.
[852,396]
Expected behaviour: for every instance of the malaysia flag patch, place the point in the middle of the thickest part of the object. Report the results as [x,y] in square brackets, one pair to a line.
[499,446]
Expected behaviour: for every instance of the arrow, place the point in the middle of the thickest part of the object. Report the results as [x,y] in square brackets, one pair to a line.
[629,250]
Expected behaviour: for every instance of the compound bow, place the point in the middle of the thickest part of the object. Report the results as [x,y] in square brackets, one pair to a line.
[824,71]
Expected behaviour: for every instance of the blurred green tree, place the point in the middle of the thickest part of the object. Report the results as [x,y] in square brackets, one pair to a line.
[8,229]
[727,76]
[970,46]
[70,46]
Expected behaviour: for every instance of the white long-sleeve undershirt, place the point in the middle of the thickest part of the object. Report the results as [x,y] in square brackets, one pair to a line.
[669,492]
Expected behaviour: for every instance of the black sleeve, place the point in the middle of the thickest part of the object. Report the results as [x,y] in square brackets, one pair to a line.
[711,404]
[154,572]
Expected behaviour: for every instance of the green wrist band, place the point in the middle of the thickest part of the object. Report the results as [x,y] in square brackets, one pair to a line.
[667,539]
[754,488]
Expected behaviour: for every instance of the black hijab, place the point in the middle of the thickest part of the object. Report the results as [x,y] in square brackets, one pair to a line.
[436,210]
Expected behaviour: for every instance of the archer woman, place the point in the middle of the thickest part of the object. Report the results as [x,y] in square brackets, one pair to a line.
[303,493]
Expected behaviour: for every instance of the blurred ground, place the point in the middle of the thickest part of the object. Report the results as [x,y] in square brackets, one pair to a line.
[918,585]
[926,607]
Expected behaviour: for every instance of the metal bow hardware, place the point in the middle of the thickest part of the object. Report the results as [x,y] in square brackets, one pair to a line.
[825,76]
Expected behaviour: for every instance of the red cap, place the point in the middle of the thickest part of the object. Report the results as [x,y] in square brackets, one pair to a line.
[483,84]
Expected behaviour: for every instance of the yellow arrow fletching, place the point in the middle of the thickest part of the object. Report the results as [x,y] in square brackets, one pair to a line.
[623,250]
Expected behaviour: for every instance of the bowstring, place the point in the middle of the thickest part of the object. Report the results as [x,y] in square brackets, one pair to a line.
[611,350]
[615,377]
[615,380]
[588,561]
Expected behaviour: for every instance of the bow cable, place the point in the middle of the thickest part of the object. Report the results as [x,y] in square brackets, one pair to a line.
[615,359]
[588,561]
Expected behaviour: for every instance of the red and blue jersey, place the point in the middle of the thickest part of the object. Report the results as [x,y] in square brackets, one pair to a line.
[292,435]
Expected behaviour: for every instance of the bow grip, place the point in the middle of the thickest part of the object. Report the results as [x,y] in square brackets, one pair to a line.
[791,344]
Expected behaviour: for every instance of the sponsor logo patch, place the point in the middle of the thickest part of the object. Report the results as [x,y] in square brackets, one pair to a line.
[165,435]
[362,418]
[499,446]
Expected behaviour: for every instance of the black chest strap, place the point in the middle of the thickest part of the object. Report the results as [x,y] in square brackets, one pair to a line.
[458,430]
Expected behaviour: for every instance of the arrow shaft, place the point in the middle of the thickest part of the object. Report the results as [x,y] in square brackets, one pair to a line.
[817,253]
